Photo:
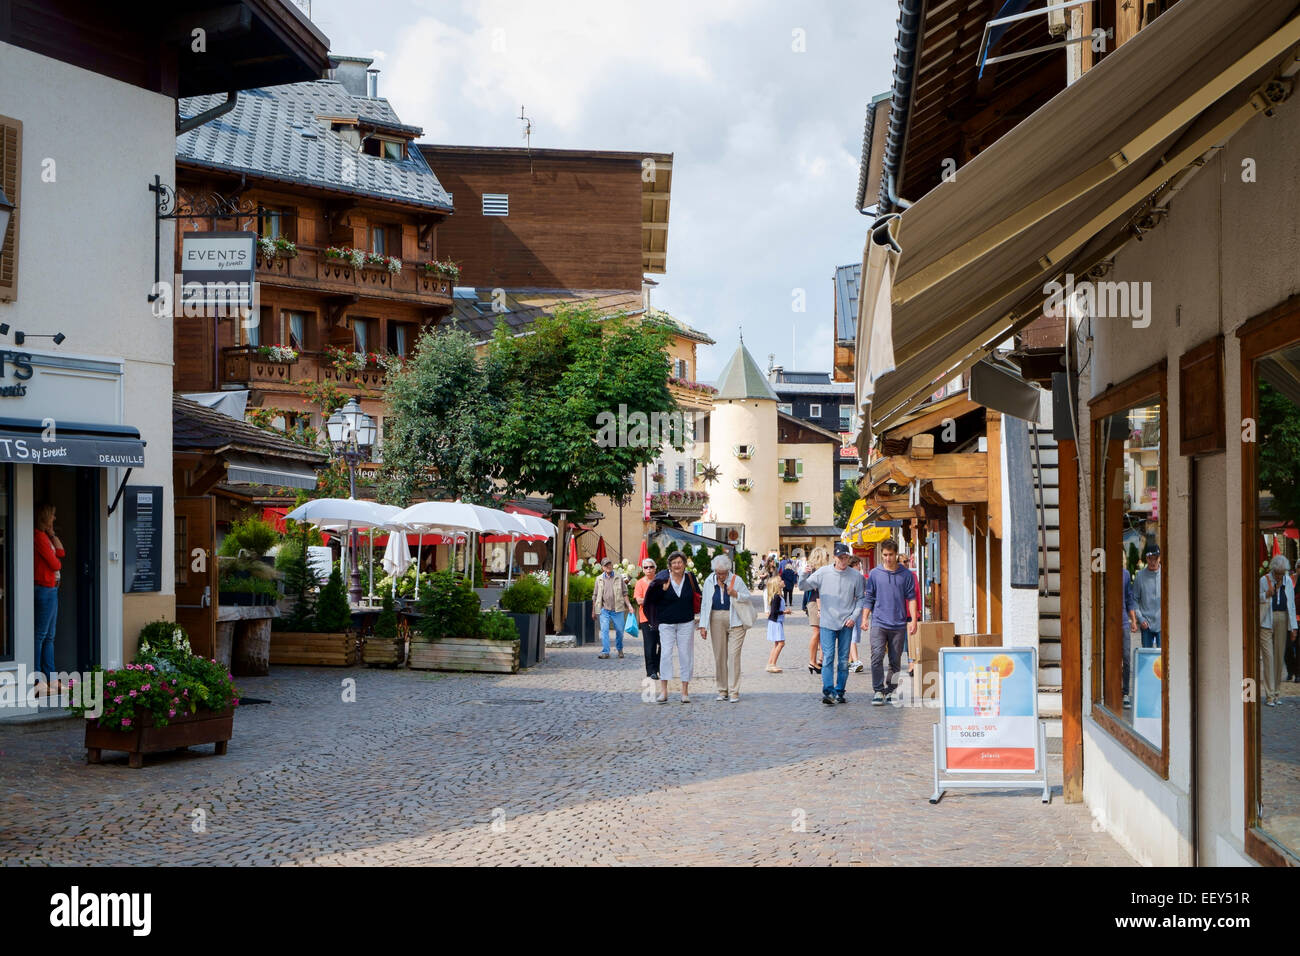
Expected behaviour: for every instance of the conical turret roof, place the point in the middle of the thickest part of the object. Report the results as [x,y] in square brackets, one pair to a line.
[742,378]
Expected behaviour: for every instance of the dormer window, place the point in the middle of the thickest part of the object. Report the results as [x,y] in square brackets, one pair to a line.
[384,147]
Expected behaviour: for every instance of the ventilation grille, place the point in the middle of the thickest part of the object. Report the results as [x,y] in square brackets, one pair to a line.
[496,204]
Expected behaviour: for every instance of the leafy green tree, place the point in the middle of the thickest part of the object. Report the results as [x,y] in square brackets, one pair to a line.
[1133,559]
[558,389]
[440,412]
[333,614]
[844,503]
[1279,451]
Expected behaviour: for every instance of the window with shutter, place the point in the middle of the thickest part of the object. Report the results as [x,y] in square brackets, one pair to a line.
[798,467]
[807,508]
[788,507]
[11,145]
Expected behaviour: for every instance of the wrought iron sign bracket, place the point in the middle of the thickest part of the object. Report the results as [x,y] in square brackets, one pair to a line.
[213,206]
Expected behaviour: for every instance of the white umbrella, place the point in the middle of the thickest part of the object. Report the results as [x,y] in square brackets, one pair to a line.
[397,556]
[346,514]
[532,526]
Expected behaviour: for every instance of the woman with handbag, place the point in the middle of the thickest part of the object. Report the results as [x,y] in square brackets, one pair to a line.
[725,615]
[672,601]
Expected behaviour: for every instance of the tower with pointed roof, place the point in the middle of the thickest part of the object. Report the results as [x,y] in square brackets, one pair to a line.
[743,446]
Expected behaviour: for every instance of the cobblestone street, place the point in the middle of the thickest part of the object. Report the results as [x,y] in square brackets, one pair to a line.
[561,764]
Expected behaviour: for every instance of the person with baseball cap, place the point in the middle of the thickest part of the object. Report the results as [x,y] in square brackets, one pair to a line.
[839,589]
[1146,595]
[610,605]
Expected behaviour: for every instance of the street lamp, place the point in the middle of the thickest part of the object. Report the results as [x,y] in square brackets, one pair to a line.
[352,433]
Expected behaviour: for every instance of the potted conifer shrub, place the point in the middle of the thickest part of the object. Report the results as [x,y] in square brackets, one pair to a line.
[447,634]
[330,641]
[386,645]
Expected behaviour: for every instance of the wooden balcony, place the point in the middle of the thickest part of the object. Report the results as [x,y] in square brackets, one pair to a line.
[312,270]
[243,366]
[691,397]
[679,504]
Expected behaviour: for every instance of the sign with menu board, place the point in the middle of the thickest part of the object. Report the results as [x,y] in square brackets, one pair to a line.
[142,516]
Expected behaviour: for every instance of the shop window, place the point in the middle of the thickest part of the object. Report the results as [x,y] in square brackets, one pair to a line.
[1131,641]
[1271,477]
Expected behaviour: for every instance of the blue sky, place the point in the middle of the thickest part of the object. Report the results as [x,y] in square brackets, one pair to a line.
[766,137]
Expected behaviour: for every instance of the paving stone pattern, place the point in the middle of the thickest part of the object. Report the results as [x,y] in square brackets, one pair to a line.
[561,764]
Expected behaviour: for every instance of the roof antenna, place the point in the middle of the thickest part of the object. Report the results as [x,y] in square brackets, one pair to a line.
[741,330]
[528,133]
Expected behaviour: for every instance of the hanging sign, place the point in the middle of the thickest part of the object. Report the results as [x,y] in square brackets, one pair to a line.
[217,268]
[988,718]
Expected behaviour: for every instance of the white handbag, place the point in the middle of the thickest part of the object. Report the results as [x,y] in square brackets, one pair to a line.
[744,610]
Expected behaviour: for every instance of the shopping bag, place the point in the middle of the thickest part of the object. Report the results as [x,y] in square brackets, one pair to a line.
[630,627]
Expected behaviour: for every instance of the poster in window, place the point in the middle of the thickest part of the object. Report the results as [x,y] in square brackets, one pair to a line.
[1148,672]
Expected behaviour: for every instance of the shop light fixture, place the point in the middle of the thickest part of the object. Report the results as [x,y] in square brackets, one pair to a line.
[21,337]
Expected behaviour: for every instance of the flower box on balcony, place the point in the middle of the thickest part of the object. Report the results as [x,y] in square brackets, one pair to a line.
[789,477]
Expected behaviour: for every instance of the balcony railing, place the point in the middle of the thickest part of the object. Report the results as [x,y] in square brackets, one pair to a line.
[691,395]
[243,365]
[679,503]
[312,269]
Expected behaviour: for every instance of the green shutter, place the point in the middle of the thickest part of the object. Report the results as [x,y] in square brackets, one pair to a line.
[807,509]
[798,467]
[787,510]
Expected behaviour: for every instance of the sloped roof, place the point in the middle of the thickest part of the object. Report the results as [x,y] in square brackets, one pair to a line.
[678,326]
[196,427]
[742,378]
[275,133]
[477,311]
[847,282]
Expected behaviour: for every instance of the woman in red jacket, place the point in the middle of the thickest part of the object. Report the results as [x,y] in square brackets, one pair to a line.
[49,551]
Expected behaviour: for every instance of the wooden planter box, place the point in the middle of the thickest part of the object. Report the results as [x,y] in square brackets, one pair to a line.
[465,654]
[184,730]
[383,651]
[300,648]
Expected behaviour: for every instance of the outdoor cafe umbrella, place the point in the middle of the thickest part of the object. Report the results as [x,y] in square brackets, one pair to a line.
[533,527]
[454,518]
[397,557]
[346,514]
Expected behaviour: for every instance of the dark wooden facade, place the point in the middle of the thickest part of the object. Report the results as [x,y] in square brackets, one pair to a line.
[575,217]
[336,305]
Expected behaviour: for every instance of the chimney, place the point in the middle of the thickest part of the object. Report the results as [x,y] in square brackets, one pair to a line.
[353,73]
[372,83]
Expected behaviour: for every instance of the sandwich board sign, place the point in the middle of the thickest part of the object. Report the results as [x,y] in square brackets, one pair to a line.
[988,721]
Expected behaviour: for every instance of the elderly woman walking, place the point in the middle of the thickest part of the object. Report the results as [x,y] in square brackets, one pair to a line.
[721,623]
[670,603]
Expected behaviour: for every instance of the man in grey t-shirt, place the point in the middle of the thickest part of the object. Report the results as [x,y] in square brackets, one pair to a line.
[839,590]
[1146,594]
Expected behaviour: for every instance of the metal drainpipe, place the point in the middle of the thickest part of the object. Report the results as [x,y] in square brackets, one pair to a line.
[909,21]
[194,122]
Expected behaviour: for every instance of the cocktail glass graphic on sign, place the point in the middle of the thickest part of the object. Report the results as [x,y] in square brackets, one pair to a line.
[990,709]
[1148,675]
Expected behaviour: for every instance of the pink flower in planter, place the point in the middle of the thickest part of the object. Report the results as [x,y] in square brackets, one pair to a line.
[126,721]
[186,692]
[112,683]
[235,701]
[146,687]
[132,693]
[171,713]
[148,667]
[117,700]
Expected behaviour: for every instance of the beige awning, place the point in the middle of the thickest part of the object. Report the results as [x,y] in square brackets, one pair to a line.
[1057,193]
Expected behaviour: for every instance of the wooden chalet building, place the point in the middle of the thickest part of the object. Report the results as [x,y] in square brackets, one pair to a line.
[323,168]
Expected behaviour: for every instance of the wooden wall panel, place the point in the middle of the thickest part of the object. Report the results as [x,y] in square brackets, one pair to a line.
[574,223]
